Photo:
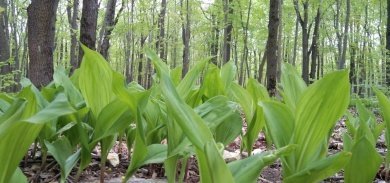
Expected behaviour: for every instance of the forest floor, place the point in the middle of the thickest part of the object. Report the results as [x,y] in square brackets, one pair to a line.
[155,173]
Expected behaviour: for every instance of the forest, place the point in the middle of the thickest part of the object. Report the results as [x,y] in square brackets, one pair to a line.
[209,91]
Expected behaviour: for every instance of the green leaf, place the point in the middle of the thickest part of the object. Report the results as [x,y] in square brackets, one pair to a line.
[193,127]
[157,153]
[18,177]
[113,118]
[319,170]
[364,163]
[228,73]
[384,104]
[319,108]
[214,160]
[13,146]
[61,150]
[61,79]
[279,122]
[248,169]
[190,79]
[95,80]
[293,85]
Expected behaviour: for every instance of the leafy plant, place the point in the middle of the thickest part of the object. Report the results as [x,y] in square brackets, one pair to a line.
[308,125]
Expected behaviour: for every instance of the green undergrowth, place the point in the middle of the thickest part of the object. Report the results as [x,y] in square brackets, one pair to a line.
[72,115]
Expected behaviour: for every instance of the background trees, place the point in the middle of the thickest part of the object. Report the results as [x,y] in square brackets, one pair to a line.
[316,36]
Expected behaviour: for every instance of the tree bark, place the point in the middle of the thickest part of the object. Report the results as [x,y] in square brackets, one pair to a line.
[5,67]
[72,11]
[88,26]
[215,39]
[343,39]
[314,45]
[272,47]
[295,41]
[41,30]
[109,23]
[388,45]
[161,28]
[305,37]
[227,37]
[186,34]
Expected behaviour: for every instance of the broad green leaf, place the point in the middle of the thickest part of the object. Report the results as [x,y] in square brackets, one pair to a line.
[113,118]
[384,104]
[293,85]
[1,10]
[18,177]
[318,109]
[279,122]
[228,73]
[248,169]
[253,130]
[215,110]
[61,79]
[95,80]
[214,160]
[364,163]
[65,157]
[319,170]
[243,97]
[212,84]
[192,125]
[157,153]
[176,75]
[190,79]
[13,145]
[256,90]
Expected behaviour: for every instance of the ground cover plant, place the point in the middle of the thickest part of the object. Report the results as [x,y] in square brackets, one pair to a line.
[198,116]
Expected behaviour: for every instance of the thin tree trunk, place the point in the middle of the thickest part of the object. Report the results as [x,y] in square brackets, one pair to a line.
[346,29]
[295,41]
[109,23]
[41,30]
[4,45]
[314,45]
[161,27]
[305,38]
[227,37]
[388,44]
[186,34]
[272,47]
[72,12]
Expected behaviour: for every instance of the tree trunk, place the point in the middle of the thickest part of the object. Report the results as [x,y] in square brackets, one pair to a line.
[314,45]
[305,38]
[215,39]
[88,25]
[343,39]
[272,47]
[295,41]
[5,67]
[41,29]
[227,37]
[109,23]
[161,28]
[345,36]
[388,44]
[186,34]
[72,12]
